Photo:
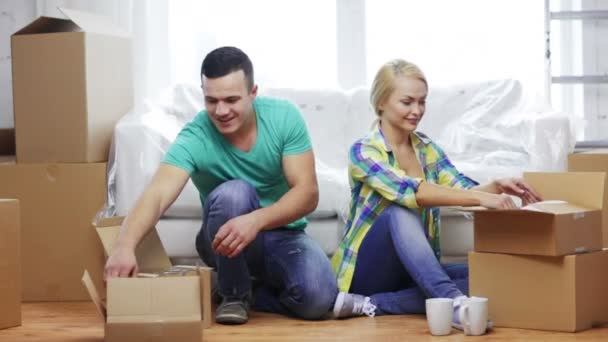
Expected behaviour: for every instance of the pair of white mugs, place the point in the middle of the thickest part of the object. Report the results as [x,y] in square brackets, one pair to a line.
[473,315]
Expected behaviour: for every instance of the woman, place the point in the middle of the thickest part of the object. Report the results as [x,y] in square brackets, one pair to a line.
[399,177]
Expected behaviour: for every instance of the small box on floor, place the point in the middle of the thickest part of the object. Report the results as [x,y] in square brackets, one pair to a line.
[10,264]
[566,293]
[171,303]
[593,161]
[551,229]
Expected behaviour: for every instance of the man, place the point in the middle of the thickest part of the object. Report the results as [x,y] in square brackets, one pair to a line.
[251,160]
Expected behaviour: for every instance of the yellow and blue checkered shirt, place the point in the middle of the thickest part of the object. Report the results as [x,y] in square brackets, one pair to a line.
[377,181]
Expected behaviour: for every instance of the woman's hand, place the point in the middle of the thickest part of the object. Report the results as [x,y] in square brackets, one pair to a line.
[517,187]
[494,201]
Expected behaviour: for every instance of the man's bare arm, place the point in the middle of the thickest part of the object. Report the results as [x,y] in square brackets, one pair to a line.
[162,191]
[300,200]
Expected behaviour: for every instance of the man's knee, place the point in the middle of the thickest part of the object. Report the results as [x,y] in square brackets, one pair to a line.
[230,199]
[233,192]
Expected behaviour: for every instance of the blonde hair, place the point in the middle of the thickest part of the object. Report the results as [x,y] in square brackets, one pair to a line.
[384,82]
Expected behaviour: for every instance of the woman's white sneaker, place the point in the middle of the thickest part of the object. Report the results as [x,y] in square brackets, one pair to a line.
[350,304]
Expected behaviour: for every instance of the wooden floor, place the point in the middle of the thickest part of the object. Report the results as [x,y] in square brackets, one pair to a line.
[68,322]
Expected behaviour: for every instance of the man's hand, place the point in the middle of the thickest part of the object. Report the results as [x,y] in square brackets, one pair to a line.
[517,187]
[235,235]
[494,201]
[121,263]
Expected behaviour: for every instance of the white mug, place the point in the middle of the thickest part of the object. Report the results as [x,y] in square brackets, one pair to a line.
[473,314]
[439,313]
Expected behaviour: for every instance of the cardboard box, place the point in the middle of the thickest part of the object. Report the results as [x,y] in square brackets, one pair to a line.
[58,202]
[568,293]
[7,142]
[10,264]
[593,161]
[560,229]
[164,304]
[72,81]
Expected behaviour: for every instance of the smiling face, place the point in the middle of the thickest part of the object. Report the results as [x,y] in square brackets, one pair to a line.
[229,102]
[404,107]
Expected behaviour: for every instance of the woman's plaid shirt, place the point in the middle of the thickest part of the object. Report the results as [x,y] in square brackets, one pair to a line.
[377,181]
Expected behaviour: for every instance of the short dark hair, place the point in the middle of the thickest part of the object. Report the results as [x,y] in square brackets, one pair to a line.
[224,60]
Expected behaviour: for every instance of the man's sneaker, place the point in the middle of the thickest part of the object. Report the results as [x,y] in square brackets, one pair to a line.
[350,304]
[232,311]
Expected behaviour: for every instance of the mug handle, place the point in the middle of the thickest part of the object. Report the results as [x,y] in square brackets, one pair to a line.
[463,314]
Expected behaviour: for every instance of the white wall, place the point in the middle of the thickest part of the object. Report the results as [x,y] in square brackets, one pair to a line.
[14,14]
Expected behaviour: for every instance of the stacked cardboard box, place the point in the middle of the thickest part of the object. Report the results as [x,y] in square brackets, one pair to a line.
[58,202]
[545,269]
[72,81]
[10,266]
[71,84]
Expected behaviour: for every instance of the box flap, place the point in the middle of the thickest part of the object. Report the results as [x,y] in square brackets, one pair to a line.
[585,189]
[97,300]
[48,25]
[150,253]
[93,23]
[144,299]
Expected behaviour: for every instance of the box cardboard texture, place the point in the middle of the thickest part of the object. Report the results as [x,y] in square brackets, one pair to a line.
[57,203]
[567,228]
[72,81]
[567,293]
[593,161]
[10,264]
[163,308]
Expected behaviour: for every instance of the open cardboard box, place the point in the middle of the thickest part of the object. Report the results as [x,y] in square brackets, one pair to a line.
[164,303]
[553,229]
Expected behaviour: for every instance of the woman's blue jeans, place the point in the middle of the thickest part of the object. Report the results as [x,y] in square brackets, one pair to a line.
[397,268]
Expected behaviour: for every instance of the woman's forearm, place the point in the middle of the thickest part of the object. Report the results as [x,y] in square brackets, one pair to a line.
[433,195]
[491,187]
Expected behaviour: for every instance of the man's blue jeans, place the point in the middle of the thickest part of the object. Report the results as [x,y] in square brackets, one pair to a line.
[397,268]
[295,275]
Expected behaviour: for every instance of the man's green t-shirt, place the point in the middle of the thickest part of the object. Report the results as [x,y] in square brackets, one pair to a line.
[211,160]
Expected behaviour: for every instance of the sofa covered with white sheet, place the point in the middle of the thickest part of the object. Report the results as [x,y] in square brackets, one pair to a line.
[488,129]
